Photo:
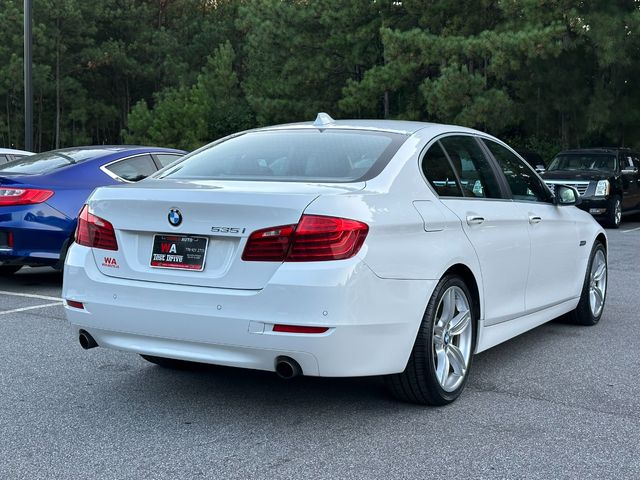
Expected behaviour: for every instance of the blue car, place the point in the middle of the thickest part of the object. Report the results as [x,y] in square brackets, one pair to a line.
[41,196]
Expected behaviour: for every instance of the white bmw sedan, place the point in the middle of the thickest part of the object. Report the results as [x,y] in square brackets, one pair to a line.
[335,248]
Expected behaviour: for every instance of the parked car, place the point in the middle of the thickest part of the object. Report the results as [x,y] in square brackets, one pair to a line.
[606,178]
[8,154]
[335,248]
[534,159]
[41,196]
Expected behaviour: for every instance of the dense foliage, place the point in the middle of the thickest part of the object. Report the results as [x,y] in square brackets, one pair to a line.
[544,74]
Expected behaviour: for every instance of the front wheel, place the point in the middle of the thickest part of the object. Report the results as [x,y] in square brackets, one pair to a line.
[438,368]
[615,212]
[594,289]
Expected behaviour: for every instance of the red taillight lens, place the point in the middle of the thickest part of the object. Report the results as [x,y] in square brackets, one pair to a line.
[95,232]
[326,238]
[315,238]
[23,196]
[298,329]
[268,245]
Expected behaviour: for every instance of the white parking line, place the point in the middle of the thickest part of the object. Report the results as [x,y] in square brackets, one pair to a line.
[632,230]
[16,310]
[29,295]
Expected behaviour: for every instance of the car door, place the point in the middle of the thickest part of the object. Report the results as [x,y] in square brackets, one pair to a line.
[628,182]
[552,229]
[633,177]
[495,227]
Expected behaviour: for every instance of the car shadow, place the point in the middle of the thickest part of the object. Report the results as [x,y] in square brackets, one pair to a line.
[32,277]
[238,389]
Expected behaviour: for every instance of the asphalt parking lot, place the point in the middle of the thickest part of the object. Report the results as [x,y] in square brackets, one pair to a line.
[558,402]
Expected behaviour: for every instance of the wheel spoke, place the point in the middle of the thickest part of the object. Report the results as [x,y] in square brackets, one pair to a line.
[599,297]
[438,336]
[448,306]
[457,360]
[459,323]
[600,271]
[442,370]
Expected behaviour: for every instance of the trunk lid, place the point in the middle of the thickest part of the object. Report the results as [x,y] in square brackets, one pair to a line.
[224,212]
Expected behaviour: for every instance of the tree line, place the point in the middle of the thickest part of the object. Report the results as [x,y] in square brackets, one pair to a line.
[542,74]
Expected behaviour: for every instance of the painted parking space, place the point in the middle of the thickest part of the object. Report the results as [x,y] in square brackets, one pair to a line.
[15,302]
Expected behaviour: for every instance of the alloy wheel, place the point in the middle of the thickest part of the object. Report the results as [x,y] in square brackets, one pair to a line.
[451,338]
[618,212]
[598,283]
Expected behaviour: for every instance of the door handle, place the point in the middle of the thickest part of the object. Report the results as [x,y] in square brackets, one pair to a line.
[534,219]
[474,220]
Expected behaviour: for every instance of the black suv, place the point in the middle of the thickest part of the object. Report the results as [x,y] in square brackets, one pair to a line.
[606,178]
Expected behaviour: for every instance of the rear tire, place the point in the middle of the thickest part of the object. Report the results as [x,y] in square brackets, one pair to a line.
[59,266]
[6,270]
[171,363]
[438,368]
[594,290]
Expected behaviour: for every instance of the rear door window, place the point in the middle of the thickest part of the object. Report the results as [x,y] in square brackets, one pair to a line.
[439,172]
[165,159]
[477,178]
[133,169]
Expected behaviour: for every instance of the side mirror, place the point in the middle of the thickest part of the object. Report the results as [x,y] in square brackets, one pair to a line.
[566,195]
[630,170]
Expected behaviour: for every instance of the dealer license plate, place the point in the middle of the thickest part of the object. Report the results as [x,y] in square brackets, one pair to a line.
[184,252]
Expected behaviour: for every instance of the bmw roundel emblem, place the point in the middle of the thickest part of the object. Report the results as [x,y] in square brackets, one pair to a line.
[175,217]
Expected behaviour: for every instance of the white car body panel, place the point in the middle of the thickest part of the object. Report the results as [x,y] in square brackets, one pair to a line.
[372,303]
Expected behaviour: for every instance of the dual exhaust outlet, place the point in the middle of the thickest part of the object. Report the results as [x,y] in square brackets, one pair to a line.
[286,367]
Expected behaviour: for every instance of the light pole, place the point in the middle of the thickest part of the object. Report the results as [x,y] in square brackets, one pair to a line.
[28,87]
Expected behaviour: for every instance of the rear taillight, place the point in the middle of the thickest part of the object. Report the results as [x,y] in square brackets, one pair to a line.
[23,196]
[326,238]
[315,238]
[95,232]
[269,245]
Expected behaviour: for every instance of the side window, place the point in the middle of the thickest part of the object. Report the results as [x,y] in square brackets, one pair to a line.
[476,176]
[524,183]
[133,169]
[3,159]
[437,169]
[166,158]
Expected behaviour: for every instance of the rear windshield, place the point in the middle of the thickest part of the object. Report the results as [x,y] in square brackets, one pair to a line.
[293,155]
[585,161]
[43,163]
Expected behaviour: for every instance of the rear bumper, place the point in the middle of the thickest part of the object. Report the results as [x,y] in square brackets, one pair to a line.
[372,321]
[39,232]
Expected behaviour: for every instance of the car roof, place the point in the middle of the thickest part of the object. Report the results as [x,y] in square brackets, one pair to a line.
[580,151]
[110,149]
[405,127]
[12,151]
